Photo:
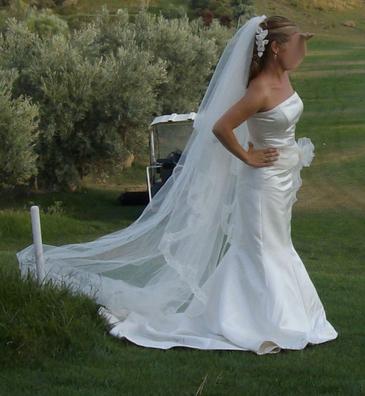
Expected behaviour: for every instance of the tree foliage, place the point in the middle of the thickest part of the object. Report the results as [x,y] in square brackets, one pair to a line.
[18,134]
[97,88]
[226,11]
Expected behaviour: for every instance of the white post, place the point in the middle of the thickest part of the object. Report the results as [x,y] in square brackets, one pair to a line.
[37,242]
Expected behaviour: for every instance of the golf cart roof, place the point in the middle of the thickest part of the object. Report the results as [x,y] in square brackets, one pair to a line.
[174,117]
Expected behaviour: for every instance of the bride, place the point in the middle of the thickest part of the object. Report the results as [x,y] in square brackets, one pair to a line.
[210,263]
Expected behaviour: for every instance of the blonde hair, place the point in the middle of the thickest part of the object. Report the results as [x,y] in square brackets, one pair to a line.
[279,29]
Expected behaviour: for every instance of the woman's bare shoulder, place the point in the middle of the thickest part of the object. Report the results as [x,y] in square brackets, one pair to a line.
[258,86]
[257,93]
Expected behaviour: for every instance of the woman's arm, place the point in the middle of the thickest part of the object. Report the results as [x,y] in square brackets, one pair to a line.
[249,104]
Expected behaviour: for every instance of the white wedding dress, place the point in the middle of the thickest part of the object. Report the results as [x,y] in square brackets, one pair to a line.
[260,298]
[209,263]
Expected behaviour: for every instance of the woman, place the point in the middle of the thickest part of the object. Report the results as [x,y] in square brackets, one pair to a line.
[210,264]
[268,84]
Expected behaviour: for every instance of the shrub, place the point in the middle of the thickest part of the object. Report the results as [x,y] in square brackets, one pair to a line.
[98,87]
[18,133]
[46,23]
[189,55]
[226,11]
[94,110]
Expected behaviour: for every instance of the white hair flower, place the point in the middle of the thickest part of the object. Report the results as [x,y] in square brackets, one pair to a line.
[260,42]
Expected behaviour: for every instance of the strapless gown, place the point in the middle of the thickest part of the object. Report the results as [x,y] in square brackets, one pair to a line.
[261,298]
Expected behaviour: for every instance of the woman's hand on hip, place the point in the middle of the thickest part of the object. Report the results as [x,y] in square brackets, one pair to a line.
[261,157]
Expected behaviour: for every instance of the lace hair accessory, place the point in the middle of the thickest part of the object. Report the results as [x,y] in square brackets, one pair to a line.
[260,40]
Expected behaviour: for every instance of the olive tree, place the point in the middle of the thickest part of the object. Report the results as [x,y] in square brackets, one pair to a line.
[18,134]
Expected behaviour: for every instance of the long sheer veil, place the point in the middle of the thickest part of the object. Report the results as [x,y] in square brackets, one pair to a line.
[157,264]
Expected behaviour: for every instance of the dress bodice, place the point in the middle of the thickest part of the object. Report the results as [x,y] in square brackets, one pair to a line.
[276,127]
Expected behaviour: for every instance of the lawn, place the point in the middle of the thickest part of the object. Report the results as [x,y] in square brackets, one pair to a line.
[53,343]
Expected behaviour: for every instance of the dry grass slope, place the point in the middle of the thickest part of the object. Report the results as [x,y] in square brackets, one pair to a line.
[337,5]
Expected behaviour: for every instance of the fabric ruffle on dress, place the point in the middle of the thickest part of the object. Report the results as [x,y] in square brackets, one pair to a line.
[306,155]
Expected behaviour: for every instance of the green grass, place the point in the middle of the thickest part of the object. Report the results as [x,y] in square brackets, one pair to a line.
[54,343]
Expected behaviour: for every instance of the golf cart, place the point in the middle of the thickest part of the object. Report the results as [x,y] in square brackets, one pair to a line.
[168,137]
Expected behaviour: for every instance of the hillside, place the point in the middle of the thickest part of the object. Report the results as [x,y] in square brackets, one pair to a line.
[325,19]
[339,5]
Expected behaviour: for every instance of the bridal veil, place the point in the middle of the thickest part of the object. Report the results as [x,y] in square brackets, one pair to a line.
[160,261]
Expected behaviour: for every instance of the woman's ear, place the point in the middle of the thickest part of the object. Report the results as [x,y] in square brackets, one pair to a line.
[275,47]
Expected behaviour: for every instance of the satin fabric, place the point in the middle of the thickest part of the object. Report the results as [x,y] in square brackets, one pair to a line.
[261,298]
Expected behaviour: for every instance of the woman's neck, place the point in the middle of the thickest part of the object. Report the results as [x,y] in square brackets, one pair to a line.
[275,71]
